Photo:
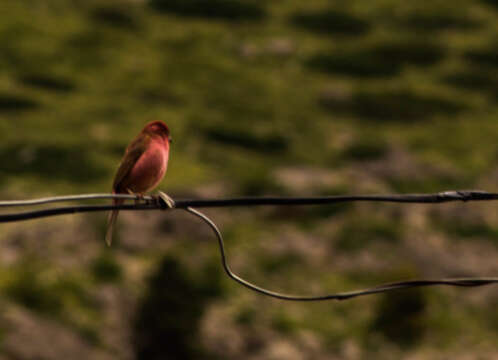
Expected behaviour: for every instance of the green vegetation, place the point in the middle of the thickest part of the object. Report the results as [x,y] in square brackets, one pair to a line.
[466,228]
[106,269]
[360,232]
[401,318]
[349,96]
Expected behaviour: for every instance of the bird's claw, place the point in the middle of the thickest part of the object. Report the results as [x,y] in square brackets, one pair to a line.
[139,196]
[166,199]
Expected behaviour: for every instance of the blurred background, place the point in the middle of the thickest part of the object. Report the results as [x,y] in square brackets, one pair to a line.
[262,97]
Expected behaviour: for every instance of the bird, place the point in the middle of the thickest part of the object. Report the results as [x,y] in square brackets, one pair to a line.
[142,168]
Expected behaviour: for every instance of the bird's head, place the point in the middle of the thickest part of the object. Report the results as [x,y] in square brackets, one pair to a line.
[158,128]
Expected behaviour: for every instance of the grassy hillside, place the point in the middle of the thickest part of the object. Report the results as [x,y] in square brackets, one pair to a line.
[282,97]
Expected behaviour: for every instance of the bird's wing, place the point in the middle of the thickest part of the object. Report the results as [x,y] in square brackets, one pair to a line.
[130,158]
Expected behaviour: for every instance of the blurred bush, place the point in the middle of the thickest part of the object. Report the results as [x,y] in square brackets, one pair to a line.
[401,317]
[393,104]
[167,322]
[382,59]
[331,22]
[16,103]
[231,10]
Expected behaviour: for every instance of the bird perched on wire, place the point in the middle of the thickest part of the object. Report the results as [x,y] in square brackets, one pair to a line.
[142,168]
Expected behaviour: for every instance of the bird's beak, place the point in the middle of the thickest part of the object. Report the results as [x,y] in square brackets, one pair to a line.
[170,139]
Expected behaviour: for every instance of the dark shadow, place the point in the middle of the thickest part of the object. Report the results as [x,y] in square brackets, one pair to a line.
[47,82]
[50,161]
[409,51]
[385,59]
[400,317]
[105,268]
[439,22]
[352,63]
[491,2]
[14,103]
[168,319]
[481,81]
[331,22]
[115,17]
[485,57]
[244,139]
[393,105]
[231,10]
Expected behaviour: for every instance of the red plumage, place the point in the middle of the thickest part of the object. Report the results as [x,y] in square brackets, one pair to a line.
[143,166]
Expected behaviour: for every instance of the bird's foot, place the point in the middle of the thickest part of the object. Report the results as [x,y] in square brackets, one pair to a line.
[139,196]
[165,199]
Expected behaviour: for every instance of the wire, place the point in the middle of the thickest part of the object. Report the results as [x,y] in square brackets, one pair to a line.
[463,282]
[156,202]
[159,202]
[55,199]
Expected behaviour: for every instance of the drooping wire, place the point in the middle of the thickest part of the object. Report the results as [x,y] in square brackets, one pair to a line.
[463,282]
[158,202]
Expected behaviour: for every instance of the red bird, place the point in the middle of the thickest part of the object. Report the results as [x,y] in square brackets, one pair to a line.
[142,168]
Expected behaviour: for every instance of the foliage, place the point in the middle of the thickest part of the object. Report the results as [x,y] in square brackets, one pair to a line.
[357,96]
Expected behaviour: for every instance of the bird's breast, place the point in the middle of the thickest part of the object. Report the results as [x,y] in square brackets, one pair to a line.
[150,168]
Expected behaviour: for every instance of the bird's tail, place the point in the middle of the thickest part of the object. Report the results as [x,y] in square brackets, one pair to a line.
[111,220]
